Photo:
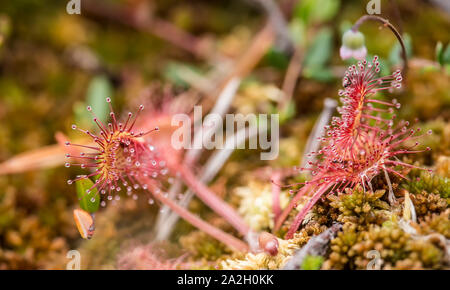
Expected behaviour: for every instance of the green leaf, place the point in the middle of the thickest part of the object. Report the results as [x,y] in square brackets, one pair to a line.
[312,263]
[286,113]
[395,56]
[319,74]
[297,31]
[320,51]
[277,59]
[316,10]
[439,50]
[176,73]
[88,201]
[98,90]
[446,55]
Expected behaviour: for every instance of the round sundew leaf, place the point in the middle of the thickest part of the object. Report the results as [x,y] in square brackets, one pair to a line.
[89,201]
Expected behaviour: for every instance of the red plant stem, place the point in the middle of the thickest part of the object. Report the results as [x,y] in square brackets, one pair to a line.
[211,199]
[290,207]
[229,240]
[276,189]
[392,28]
[301,215]
[303,191]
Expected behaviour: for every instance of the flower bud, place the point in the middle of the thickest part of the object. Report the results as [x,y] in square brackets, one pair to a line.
[268,243]
[353,45]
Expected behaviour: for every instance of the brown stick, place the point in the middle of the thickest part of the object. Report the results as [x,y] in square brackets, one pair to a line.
[290,80]
[251,57]
[152,25]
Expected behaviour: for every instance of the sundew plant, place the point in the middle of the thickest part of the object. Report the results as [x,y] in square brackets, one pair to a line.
[361,143]
[135,134]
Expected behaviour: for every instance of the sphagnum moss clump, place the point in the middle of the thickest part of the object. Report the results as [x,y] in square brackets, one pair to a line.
[360,207]
[201,246]
[255,204]
[436,223]
[420,181]
[395,248]
[263,261]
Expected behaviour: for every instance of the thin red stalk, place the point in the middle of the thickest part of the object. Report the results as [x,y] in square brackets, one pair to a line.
[301,215]
[276,208]
[215,232]
[290,207]
[211,199]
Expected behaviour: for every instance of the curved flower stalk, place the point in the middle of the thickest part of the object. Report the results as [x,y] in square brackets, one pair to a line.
[387,24]
[123,159]
[359,144]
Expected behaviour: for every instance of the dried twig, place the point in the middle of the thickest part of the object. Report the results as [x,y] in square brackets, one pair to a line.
[152,25]
[290,80]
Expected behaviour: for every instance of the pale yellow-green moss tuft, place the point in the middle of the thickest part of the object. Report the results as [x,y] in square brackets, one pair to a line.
[256,204]
[263,261]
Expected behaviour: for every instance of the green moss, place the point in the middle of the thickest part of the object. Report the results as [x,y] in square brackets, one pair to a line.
[203,246]
[359,206]
[424,181]
[312,263]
